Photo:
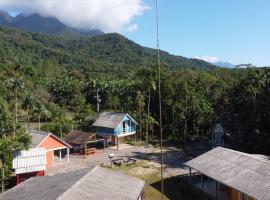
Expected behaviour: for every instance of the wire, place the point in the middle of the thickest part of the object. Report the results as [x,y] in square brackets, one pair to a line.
[160,103]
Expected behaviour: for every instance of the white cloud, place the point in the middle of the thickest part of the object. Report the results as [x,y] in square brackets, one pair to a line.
[132,28]
[211,59]
[107,15]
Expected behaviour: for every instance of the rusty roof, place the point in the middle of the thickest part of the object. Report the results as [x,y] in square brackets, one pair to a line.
[79,137]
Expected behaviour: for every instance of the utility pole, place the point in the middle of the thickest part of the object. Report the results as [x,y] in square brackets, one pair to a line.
[98,100]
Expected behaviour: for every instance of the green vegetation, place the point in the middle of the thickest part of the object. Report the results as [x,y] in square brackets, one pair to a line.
[54,82]
[175,188]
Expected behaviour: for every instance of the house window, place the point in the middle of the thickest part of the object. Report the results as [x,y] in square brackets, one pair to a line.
[243,196]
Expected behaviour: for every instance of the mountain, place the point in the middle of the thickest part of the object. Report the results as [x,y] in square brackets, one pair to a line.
[49,25]
[103,53]
[224,64]
[5,18]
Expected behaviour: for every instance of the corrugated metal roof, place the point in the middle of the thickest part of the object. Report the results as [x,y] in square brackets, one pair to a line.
[29,161]
[243,172]
[95,183]
[39,136]
[111,120]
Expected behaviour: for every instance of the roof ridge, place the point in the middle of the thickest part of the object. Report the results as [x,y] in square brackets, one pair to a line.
[245,154]
[238,163]
[70,189]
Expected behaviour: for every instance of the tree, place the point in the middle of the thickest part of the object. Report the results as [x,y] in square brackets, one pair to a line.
[61,120]
[28,104]
[41,110]
[140,108]
[16,85]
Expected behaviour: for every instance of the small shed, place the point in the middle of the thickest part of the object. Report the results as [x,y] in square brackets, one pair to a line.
[51,143]
[84,142]
[95,183]
[115,127]
[218,135]
[29,163]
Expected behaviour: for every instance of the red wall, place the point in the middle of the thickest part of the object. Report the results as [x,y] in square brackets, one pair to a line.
[51,143]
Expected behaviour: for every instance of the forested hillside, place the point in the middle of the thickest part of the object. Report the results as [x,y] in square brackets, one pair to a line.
[105,53]
[53,82]
[39,24]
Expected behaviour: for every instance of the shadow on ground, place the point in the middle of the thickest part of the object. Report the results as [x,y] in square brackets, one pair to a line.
[176,188]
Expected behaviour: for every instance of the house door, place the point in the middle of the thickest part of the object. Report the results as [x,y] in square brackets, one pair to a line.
[124,127]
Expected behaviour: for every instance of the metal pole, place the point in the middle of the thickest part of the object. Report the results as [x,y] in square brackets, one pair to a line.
[60,154]
[216,190]
[97,102]
[117,143]
[160,106]
[103,145]
[68,154]
[190,175]
[202,182]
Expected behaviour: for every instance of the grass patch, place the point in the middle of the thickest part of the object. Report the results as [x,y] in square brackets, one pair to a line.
[174,188]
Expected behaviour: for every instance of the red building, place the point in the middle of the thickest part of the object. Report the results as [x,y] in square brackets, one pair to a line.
[54,146]
[45,148]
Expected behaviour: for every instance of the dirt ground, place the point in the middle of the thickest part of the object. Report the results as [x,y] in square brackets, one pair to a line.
[173,160]
[147,166]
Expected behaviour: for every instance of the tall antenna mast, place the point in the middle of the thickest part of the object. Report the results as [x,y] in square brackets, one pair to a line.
[160,106]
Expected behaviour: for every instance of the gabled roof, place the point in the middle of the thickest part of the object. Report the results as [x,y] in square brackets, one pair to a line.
[111,120]
[79,137]
[244,172]
[94,183]
[39,136]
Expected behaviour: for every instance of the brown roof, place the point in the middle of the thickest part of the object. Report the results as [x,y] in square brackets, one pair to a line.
[79,137]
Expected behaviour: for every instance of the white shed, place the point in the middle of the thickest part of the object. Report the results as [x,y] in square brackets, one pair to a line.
[218,135]
[29,163]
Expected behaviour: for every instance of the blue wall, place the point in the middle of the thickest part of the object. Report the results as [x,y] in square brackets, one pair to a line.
[130,127]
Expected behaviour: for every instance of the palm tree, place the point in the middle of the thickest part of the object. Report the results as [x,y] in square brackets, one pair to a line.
[140,105]
[40,109]
[151,86]
[28,103]
[5,117]
[16,85]
[61,120]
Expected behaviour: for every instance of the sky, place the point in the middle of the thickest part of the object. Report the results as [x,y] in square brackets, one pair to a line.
[236,31]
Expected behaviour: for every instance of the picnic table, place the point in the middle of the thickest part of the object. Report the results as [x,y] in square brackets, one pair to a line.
[124,161]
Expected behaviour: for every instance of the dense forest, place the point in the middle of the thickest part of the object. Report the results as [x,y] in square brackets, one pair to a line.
[54,82]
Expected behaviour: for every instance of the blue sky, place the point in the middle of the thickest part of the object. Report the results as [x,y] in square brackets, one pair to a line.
[237,31]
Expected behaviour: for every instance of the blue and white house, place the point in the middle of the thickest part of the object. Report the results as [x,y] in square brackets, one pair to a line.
[115,126]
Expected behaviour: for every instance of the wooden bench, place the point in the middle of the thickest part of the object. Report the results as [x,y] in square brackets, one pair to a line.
[90,151]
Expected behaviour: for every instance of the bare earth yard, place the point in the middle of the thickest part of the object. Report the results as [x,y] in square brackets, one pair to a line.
[146,168]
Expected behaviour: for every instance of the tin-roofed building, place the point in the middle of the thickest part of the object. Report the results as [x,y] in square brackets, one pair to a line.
[115,127]
[96,184]
[237,175]
[29,163]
